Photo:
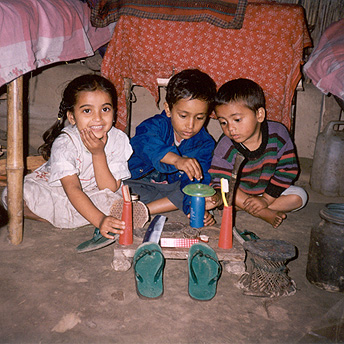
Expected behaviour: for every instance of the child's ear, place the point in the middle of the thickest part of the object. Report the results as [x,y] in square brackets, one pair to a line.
[167,109]
[70,117]
[260,114]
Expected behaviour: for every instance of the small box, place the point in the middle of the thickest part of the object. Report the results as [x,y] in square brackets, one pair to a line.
[178,242]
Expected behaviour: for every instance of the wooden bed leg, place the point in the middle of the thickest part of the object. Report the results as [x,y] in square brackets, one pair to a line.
[15,160]
[127,89]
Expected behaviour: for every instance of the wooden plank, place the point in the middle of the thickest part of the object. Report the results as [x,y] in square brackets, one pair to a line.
[235,254]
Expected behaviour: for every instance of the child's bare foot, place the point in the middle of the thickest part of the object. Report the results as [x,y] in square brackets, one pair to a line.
[274,217]
[28,214]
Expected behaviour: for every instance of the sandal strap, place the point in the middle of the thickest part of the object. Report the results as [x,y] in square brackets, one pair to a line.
[97,236]
[141,255]
[201,254]
[246,233]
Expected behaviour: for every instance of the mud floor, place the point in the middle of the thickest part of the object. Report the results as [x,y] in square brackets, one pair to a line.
[51,294]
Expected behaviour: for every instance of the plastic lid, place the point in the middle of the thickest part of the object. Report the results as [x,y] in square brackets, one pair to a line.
[199,190]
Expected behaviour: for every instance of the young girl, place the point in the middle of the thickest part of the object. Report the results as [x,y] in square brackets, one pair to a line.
[87,161]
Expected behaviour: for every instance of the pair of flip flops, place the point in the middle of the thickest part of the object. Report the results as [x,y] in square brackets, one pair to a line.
[204,271]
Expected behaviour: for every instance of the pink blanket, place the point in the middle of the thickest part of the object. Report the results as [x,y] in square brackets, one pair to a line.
[325,66]
[36,33]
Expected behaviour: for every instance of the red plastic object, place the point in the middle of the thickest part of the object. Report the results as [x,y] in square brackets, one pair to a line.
[226,231]
[127,216]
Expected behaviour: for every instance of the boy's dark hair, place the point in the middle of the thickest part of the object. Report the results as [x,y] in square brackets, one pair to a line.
[193,84]
[87,82]
[241,90]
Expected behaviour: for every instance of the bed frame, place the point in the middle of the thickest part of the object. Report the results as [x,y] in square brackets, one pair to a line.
[267,49]
[46,32]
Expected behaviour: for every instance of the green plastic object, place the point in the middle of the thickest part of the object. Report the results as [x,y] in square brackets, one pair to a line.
[149,264]
[97,242]
[204,272]
[199,190]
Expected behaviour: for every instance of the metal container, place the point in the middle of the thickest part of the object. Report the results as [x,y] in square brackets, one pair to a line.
[325,265]
[327,176]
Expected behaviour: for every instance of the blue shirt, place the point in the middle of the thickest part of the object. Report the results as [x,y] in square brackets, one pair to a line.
[154,138]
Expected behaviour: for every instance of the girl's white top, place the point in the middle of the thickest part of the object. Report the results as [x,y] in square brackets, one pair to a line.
[43,191]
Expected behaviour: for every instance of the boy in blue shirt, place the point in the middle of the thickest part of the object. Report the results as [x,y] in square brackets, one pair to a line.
[173,149]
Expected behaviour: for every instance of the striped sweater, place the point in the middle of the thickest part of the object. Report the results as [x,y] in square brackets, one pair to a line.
[271,168]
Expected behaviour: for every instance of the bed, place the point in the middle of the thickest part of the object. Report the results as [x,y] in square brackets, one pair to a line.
[34,34]
[325,66]
[263,41]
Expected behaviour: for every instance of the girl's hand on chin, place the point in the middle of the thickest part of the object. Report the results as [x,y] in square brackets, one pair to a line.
[94,144]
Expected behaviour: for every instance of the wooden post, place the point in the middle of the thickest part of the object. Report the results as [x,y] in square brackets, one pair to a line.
[15,159]
[128,85]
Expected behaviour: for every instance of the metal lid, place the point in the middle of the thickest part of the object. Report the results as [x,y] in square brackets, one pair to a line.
[333,212]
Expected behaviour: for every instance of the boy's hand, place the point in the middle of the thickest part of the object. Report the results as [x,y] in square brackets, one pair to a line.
[92,142]
[214,201]
[190,166]
[254,204]
[208,219]
[108,225]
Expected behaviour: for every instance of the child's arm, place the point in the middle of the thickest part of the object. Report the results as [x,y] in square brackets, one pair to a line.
[153,148]
[189,165]
[103,175]
[86,208]
[254,204]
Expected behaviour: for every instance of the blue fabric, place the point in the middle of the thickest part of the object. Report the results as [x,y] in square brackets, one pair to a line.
[154,138]
[150,192]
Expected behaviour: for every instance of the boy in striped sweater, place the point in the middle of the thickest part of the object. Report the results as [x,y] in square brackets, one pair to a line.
[265,180]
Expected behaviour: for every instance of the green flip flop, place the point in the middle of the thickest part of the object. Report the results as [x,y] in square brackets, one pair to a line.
[204,272]
[97,242]
[243,236]
[148,265]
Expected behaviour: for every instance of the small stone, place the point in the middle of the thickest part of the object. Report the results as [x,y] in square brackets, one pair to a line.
[118,295]
[236,268]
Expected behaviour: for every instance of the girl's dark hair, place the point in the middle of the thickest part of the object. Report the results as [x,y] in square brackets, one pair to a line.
[193,84]
[241,90]
[87,82]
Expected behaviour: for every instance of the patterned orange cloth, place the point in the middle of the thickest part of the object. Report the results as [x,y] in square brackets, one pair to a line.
[268,49]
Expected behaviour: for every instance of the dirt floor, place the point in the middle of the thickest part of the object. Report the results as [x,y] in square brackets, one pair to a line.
[51,294]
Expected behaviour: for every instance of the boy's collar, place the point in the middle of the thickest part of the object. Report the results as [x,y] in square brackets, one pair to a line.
[176,141]
[260,150]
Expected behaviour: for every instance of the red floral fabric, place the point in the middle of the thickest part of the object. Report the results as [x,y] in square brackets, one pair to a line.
[268,49]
